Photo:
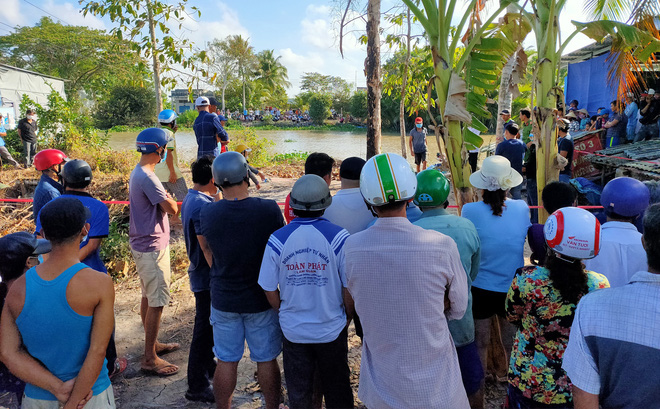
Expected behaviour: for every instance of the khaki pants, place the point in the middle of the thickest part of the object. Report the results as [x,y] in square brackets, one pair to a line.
[154,271]
[104,400]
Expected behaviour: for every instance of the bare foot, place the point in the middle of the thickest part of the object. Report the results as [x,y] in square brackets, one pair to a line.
[159,367]
[162,349]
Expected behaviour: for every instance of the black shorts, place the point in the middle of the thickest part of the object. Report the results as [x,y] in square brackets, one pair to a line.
[420,157]
[487,303]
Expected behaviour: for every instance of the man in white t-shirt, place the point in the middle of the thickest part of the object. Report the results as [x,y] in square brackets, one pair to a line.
[305,260]
[168,172]
[621,253]
[348,209]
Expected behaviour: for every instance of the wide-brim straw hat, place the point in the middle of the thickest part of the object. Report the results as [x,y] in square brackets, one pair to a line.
[496,173]
[584,111]
[571,115]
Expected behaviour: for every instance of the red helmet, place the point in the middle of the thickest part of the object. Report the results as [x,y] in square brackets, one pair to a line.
[49,157]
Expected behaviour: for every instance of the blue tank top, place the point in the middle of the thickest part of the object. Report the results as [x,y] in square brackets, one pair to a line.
[54,333]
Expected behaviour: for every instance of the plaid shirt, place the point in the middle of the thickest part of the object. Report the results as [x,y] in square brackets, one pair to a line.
[206,127]
[399,275]
[614,347]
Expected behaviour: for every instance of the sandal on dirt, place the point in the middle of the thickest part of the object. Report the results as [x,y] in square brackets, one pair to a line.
[120,366]
[167,348]
[161,370]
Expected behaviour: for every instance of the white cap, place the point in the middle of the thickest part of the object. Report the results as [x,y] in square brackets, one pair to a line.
[651,91]
[201,102]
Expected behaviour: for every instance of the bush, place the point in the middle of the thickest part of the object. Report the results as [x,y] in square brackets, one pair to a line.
[62,126]
[359,105]
[319,107]
[259,146]
[187,118]
[267,120]
[127,105]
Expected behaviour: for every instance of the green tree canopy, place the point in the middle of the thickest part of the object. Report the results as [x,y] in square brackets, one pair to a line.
[319,107]
[359,105]
[128,105]
[91,60]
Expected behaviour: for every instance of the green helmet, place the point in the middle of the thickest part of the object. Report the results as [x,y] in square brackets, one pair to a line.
[432,188]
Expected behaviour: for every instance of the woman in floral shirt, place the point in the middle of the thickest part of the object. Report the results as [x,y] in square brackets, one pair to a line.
[541,303]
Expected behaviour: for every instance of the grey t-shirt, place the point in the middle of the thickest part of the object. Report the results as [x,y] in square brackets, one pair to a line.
[149,227]
[618,129]
[418,139]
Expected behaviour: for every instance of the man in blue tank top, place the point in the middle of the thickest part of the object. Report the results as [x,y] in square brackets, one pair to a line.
[58,320]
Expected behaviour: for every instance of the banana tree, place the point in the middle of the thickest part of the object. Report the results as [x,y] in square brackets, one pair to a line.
[464,63]
[546,93]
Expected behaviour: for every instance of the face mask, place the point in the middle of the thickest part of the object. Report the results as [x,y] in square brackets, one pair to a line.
[32,117]
[418,125]
[163,156]
[84,239]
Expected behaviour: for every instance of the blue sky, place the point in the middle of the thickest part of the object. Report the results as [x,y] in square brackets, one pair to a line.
[303,33]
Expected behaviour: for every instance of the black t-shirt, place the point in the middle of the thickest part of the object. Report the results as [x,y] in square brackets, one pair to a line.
[28,130]
[566,144]
[651,115]
[237,233]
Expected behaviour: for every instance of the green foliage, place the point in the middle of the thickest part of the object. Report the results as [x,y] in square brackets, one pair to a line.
[259,145]
[359,105]
[319,107]
[91,60]
[291,157]
[420,69]
[338,89]
[242,53]
[116,245]
[127,105]
[187,118]
[61,126]
[133,18]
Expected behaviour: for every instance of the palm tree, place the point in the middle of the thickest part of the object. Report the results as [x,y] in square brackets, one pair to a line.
[270,71]
[240,50]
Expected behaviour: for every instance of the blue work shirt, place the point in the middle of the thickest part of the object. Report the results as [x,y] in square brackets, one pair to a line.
[47,190]
[2,130]
[514,150]
[207,125]
[199,269]
[465,235]
[99,226]
[502,242]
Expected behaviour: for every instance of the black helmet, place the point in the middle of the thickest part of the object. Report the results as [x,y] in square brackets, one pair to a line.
[77,174]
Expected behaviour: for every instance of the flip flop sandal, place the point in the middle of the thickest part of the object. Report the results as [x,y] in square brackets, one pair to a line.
[171,347]
[120,366]
[161,370]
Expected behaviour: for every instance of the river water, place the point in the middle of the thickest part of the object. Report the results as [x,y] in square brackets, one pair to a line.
[339,145]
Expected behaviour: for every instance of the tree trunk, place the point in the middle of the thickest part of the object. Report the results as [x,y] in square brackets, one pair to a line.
[505,97]
[404,83]
[244,95]
[372,65]
[154,57]
[224,87]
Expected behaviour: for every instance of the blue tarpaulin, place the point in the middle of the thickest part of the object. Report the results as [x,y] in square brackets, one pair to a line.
[587,82]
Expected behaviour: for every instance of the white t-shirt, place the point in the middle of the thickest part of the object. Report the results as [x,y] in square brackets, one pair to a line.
[349,211]
[621,253]
[161,170]
[306,259]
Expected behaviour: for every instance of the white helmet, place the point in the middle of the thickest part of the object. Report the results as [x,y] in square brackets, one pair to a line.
[387,178]
[573,232]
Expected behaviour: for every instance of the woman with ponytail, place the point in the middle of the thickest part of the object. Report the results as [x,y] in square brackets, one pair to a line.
[541,303]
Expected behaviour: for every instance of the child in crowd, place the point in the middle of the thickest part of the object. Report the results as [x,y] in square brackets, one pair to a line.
[254,172]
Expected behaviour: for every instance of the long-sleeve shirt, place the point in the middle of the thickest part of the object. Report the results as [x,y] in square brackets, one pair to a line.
[400,276]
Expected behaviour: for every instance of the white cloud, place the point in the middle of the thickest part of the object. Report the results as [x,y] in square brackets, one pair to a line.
[11,13]
[70,14]
[298,64]
[201,31]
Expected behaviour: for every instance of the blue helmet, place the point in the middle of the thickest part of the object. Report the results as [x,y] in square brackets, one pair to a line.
[150,139]
[167,116]
[625,196]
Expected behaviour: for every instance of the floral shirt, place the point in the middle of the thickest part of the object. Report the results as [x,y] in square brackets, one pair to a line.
[544,322]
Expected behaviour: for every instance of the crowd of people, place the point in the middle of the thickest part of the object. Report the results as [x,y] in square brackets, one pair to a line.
[421,285]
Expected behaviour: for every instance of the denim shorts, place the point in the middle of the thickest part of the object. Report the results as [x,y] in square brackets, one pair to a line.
[261,330]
